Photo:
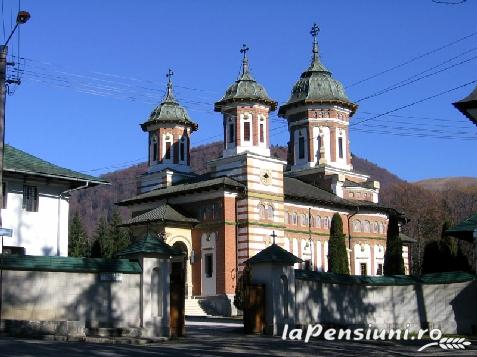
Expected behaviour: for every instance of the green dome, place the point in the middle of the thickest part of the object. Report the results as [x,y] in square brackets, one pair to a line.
[247,89]
[169,112]
[316,85]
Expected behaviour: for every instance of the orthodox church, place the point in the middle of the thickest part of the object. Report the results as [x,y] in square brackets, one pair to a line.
[248,199]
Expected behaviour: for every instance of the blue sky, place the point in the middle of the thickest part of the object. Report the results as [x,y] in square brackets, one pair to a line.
[94,70]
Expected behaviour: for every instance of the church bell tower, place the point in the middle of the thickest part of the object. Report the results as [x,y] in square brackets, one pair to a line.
[169,128]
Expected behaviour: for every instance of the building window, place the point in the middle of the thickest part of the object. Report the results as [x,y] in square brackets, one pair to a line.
[366,227]
[246,131]
[208,265]
[381,228]
[262,134]
[30,198]
[261,211]
[303,220]
[356,226]
[168,150]
[380,269]
[270,213]
[363,268]
[154,148]
[312,221]
[375,227]
[318,222]
[5,194]
[231,133]
[301,147]
[326,222]
[182,149]
[340,147]
[294,218]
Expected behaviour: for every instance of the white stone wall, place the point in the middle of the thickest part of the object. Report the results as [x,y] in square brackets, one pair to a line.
[449,307]
[37,232]
[42,295]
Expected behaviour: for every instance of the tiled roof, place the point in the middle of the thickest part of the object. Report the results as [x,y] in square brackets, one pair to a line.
[164,213]
[435,278]
[149,244]
[18,161]
[464,229]
[69,264]
[296,189]
[274,254]
[183,189]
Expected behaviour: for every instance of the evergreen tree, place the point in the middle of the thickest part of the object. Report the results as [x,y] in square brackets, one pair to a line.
[78,239]
[393,260]
[118,236]
[101,246]
[337,253]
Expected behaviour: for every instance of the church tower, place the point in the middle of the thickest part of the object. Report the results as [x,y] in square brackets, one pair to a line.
[169,128]
[245,108]
[318,114]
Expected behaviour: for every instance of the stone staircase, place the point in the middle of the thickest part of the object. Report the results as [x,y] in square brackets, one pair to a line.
[193,308]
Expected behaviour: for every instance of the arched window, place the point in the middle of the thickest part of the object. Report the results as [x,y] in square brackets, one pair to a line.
[381,227]
[262,130]
[301,145]
[303,220]
[270,212]
[356,226]
[231,129]
[247,125]
[366,227]
[312,221]
[294,218]
[154,148]
[261,211]
[318,222]
[326,222]
[167,147]
[182,149]
[375,227]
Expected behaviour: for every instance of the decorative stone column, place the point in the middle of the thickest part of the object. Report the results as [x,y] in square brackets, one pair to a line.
[273,267]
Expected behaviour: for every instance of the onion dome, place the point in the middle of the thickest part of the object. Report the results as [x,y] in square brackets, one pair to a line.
[169,111]
[317,86]
[245,89]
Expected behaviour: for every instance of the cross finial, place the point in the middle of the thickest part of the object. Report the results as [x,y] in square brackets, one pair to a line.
[273,235]
[169,93]
[314,32]
[244,51]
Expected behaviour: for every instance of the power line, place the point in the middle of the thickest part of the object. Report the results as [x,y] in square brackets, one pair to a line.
[414,103]
[413,59]
[397,85]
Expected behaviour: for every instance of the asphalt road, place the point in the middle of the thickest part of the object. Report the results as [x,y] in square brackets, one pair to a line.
[220,339]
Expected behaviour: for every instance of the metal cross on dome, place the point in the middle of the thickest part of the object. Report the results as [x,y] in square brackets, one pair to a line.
[314,31]
[169,75]
[244,50]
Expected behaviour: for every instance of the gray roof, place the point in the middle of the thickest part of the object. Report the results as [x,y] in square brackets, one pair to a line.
[163,213]
[247,89]
[406,239]
[317,86]
[274,254]
[465,229]
[18,161]
[468,102]
[169,112]
[183,189]
[296,189]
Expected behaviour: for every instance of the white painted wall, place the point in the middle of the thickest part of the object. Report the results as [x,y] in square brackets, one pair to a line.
[37,232]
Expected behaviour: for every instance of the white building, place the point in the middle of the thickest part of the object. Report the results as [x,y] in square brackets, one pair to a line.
[35,204]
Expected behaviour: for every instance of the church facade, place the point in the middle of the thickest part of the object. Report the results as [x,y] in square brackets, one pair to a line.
[248,199]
